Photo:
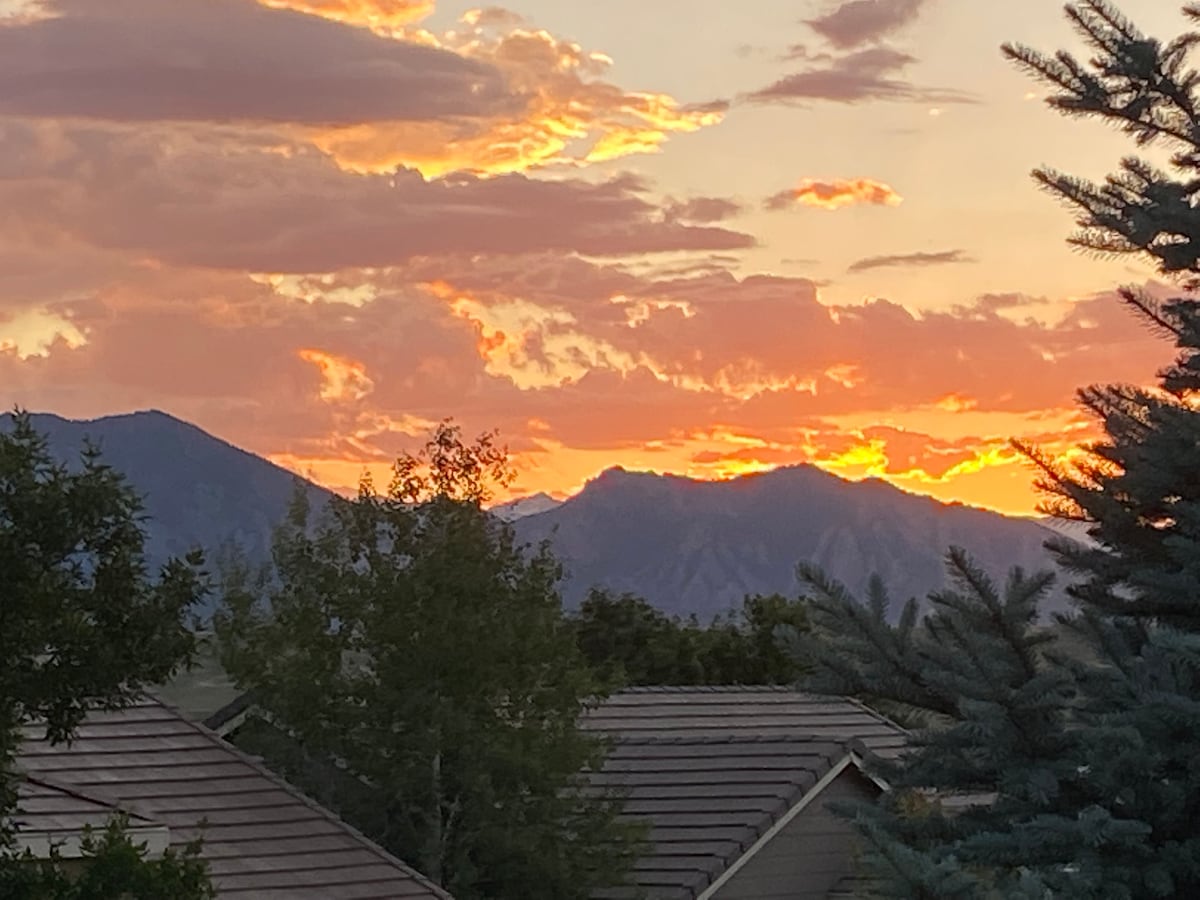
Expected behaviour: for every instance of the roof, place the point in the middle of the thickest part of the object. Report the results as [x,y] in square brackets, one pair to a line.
[50,812]
[262,838]
[710,799]
[716,769]
[748,711]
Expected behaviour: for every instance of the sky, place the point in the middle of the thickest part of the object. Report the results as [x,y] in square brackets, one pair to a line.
[686,236]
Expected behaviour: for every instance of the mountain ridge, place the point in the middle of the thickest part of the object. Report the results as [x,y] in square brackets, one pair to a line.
[687,546]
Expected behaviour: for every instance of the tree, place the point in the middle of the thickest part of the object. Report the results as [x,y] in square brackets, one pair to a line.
[113,867]
[628,642]
[1107,784]
[1138,587]
[82,625]
[406,637]
[993,798]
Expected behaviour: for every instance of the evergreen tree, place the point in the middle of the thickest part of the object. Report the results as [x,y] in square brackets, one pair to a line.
[82,627]
[989,800]
[1138,586]
[1068,776]
[406,637]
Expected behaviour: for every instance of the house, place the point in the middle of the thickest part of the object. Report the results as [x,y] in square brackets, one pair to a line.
[177,780]
[735,784]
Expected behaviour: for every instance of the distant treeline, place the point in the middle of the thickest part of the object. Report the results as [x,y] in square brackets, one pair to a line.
[630,643]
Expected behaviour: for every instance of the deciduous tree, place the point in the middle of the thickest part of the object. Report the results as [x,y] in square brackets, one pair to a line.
[406,636]
[83,626]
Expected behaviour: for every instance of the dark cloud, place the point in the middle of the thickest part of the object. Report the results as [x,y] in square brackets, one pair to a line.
[179,199]
[862,21]
[230,60]
[940,258]
[703,209]
[869,74]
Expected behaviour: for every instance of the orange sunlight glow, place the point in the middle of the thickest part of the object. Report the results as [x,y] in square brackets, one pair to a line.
[385,17]
[342,379]
[833,195]
[569,117]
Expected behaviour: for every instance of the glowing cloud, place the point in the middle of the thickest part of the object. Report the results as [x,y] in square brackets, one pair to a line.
[570,116]
[342,378]
[387,17]
[836,194]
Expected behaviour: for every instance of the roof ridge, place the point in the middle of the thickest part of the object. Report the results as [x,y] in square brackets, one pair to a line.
[299,795]
[708,689]
[718,739]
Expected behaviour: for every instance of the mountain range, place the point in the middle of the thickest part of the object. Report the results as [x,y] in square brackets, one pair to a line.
[689,547]
[700,546]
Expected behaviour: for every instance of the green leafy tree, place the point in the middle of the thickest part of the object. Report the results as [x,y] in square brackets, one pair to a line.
[82,626]
[110,867]
[628,642]
[407,637]
[1106,799]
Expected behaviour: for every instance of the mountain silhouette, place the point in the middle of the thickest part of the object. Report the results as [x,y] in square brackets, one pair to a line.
[689,547]
[199,490]
[700,546]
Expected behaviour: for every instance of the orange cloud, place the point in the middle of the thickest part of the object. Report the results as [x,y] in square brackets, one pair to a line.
[341,378]
[388,17]
[570,115]
[836,194]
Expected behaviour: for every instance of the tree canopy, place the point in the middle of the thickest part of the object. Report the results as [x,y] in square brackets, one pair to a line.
[629,643]
[83,626]
[407,637]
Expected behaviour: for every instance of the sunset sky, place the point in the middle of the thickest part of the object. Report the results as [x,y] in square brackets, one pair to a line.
[682,235]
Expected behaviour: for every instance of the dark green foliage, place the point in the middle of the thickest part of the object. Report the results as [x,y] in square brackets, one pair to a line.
[1083,763]
[407,638]
[111,867]
[990,800]
[630,643]
[82,625]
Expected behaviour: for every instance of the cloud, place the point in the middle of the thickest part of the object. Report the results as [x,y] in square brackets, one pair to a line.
[941,258]
[231,61]
[572,116]
[388,17]
[354,78]
[580,364]
[835,194]
[863,75]
[179,199]
[703,209]
[856,22]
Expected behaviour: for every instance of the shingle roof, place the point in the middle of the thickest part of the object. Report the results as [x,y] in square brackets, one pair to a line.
[753,711]
[54,812]
[708,799]
[262,838]
[714,768]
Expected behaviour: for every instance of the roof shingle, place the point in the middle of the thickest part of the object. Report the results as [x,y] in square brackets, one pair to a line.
[262,838]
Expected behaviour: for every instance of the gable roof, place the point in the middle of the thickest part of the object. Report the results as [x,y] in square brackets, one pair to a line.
[666,712]
[262,838]
[716,771]
[710,801]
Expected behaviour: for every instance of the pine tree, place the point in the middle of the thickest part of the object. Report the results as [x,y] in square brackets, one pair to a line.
[1076,775]
[989,799]
[408,638]
[1138,586]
